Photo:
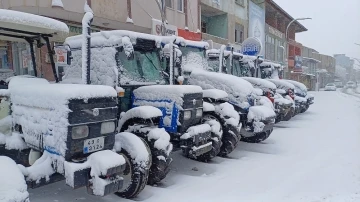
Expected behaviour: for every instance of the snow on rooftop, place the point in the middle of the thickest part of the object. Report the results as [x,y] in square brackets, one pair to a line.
[33,23]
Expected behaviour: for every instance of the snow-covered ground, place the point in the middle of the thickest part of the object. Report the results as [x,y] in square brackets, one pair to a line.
[313,158]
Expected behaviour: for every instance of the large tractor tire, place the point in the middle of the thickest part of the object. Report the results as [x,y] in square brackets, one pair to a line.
[136,173]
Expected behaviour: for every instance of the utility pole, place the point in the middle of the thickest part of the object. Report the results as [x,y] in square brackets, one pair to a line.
[162,7]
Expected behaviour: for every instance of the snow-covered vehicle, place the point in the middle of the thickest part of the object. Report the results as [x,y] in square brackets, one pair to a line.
[287,91]
[65,132]
[216,104]
[13,187]
[282,106]
[257,121]
[302,96]
[131,61]
[350,84]
[330,87]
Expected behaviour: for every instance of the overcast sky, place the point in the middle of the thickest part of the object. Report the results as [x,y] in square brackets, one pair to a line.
[335,26]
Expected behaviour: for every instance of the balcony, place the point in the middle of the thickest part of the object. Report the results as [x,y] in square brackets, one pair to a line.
[215,39]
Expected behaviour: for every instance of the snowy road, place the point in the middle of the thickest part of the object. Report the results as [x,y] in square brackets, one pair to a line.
[314,157]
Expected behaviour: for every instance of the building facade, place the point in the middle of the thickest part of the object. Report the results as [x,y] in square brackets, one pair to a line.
[224,22]
[278,20]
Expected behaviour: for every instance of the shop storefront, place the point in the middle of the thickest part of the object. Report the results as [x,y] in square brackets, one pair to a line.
[274,45]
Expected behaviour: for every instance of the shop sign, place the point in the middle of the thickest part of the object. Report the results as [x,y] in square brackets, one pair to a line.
[251,46]
[170,29]
[61,55]
[298,63]
[193,36]
[26,59]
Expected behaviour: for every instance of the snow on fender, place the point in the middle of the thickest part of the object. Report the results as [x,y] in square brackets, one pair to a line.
[134,145]
[144,112]
[13,187]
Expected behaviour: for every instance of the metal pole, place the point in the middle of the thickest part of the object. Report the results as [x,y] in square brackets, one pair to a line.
[51,56]
[287,38]
[31,43]
[162,7]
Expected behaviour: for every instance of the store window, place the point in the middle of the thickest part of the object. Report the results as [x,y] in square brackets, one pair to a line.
[169,3]
[22,62]
[239,33]
[180,5]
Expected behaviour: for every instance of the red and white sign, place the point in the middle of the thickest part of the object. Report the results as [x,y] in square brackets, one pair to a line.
[156,28]
[193,36]
[61,55]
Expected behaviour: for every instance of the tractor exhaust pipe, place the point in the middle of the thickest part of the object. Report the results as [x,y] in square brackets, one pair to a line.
[86,43]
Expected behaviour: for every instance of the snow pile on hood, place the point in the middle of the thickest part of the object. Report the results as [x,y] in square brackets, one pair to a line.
[290,99]
[194,130]
[263,84]
[228,113]
[282,84]
[174,93]
[215,94]
[259,113]
[42,108]
[237,88]
[13,187]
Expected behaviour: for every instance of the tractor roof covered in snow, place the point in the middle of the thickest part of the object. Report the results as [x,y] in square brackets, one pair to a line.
[34,29]
[17,26]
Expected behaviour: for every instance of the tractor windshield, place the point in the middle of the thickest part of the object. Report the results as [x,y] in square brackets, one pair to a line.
[144,68]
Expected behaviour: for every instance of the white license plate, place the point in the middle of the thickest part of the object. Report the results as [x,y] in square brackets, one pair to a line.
[92,145]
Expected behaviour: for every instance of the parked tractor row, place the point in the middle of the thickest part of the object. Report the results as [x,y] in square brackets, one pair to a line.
[126,101]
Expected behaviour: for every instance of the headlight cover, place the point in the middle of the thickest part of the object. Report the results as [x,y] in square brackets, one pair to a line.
[79,132]
[107,127]
[187,115]
[199,113]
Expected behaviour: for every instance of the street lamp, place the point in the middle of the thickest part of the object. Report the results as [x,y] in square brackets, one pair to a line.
[162,7]
[287,39]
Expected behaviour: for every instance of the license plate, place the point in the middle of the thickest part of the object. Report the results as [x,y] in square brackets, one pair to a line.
[92,145]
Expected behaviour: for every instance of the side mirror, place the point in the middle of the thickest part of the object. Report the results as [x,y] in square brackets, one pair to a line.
[69,57]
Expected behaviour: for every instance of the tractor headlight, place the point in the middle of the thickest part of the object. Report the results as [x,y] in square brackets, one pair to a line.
[199,113]
[107,127]
[79,132]
[187,115]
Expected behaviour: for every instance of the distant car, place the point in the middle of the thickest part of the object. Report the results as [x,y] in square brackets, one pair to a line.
[350,84]
[330,87]
[338,84]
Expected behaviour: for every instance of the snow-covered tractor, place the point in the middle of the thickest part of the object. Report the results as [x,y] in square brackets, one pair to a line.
[132,61]
[64,131]
[257,121]
[216,106]
[302,95]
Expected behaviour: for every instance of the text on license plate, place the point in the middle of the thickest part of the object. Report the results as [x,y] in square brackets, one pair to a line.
[92,145]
